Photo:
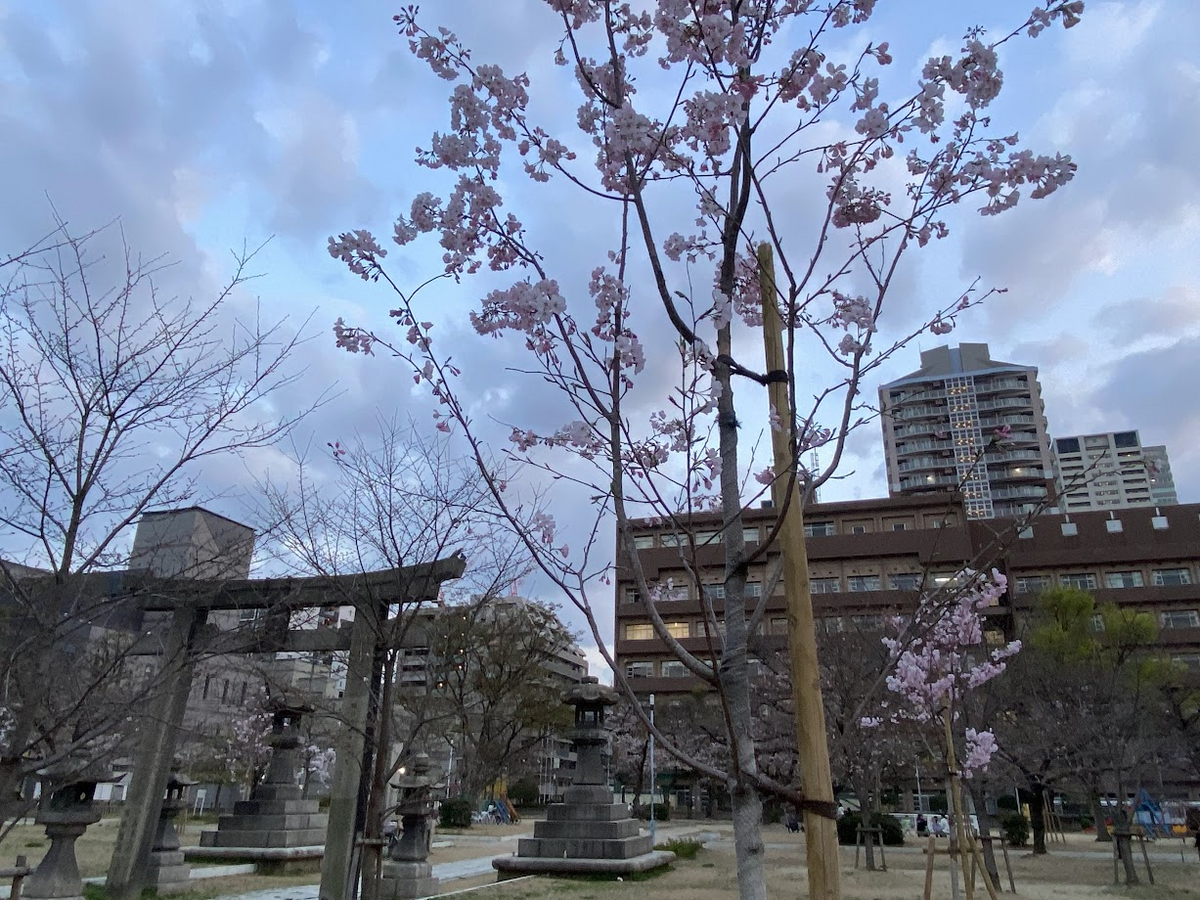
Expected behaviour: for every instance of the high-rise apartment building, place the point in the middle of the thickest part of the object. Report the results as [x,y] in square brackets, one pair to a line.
[1112,470]
[968,422]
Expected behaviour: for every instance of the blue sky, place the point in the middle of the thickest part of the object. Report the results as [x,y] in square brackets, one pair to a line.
[204,124]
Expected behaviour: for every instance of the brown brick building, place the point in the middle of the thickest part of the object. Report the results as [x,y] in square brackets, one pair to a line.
[867,559]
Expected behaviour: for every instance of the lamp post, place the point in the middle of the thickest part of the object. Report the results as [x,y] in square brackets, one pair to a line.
[652,773]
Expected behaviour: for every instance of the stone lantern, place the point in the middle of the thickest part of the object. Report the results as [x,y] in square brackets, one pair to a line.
[590,740]
[407,872]
[586,834]
[67,809]
[167,870]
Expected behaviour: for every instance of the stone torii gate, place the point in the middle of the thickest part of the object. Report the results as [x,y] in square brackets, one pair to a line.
[188,603]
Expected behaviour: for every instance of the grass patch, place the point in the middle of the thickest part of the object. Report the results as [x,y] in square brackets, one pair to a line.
[682,849]
[35,843]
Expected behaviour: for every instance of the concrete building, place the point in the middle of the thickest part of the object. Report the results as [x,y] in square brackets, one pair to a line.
[868,559]
[1112,470]
[940,432]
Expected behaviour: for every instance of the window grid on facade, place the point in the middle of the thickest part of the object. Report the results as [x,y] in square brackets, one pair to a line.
[639,670]
[1179,618]
[1123,580]
[639,631]
[825,585]
[819,529]
[1164,577]
[904,582]
[1084,581]
[1032,584]
[857,583]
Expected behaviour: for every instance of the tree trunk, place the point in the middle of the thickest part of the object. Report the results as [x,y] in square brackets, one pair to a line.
[1037,815]
[985,831]
[1103,835]
[865,809]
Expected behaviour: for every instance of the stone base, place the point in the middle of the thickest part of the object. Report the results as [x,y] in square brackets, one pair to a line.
[167,872]
[407,881]
[512,866]
[267,860]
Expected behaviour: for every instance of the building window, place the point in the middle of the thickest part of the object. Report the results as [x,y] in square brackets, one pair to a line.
[1032,584]
[1096,623]
[819,529]
[750,535]
[1159,523]
[863,583]
[831,624]
[249,615]
[631,595]
[825,585]
[643,541]
[753,588]
[1190,661]
[1123,580]
[899,526]
[664,593]
[1179,618]
[1084,581]
[673,668]
[714,591]
[908,581]
[639,670]
[1069,529]
[708,537]
[1025,533]
[679,629]
[1164,577]
[858,529]
[779,625]
[640,631]
[1114,525]
[867,623]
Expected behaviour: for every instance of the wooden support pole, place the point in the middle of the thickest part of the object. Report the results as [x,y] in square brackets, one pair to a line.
[816,780]
[1012,885]
[930,853]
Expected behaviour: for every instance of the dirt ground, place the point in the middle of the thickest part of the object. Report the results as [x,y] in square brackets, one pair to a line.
[1077,869]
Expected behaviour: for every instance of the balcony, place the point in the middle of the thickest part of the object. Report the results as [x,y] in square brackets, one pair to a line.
[919,446]
[999,385]
[1023,493]
[1011,456]
[928,482]
[1006,403]
[933,426]
[905,413]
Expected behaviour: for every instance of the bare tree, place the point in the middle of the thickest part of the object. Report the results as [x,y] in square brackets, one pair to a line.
[398,497]
[112,397]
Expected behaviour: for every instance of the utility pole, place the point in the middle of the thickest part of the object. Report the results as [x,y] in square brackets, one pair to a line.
[816,781]
[652,773]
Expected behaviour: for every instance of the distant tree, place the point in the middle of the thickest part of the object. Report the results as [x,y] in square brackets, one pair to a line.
[1080,700]
[491,685]
[111,398]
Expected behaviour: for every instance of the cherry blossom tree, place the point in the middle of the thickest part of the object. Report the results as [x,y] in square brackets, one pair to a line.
[699,118]
[940,657]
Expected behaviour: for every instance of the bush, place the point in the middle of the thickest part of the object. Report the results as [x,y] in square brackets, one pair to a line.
[662,812]
[893,831]
[1015,828]
[682,849]
[523,792]
[455,813]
